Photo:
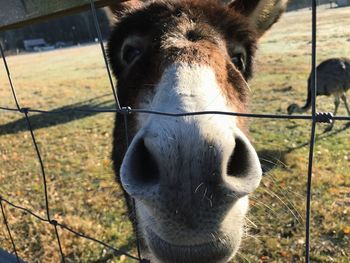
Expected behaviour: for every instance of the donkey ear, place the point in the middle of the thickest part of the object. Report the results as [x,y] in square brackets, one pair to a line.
[262,13]
[120,7]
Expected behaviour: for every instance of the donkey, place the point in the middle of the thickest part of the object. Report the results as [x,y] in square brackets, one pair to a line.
[333,78]
[189,176]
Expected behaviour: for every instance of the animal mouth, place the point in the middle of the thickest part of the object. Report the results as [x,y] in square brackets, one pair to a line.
[220,250]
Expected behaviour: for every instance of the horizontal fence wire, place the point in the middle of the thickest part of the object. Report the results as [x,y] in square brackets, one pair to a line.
[315,117]
[321,117]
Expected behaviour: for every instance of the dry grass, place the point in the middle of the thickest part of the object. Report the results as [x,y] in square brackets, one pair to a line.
[279,205]
[76,153]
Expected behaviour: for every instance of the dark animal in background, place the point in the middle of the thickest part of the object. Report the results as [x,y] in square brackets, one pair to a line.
[191,176]
[333,78]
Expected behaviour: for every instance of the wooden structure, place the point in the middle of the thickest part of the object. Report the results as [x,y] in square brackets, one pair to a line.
[17,13]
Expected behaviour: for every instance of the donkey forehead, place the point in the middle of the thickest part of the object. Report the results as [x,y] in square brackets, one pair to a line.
[207,19]
[164,29]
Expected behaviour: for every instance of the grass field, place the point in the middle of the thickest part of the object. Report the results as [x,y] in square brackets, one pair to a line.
[76,153]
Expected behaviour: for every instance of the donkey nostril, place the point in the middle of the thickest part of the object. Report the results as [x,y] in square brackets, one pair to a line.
[193,35]
[239,162]
[243,168]
[145,168]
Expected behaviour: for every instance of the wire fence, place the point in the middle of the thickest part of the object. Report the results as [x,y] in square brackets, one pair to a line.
[314,118]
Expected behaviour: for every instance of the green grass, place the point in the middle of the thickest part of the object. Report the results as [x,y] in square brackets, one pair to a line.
[76,153]
[278,211]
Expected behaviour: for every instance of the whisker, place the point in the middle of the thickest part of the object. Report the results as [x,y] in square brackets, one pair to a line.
[255,237]
[287,197]
[274,180]
[243,257]
[272,194]
[251,222]
[199,186]
[262,204]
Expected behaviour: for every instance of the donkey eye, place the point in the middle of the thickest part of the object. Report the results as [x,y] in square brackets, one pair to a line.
[238,61]
[130,53]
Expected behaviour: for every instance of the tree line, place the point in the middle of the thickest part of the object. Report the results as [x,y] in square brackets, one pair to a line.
[72,30]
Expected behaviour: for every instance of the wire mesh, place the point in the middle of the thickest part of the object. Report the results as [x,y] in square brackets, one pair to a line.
[315,117]
[8,229]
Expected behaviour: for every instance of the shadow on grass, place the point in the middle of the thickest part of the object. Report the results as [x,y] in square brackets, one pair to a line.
[270,159]
[325,134]
[64,114]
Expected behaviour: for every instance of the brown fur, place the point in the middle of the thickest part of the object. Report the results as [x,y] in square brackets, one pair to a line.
[207,49]
[199,32]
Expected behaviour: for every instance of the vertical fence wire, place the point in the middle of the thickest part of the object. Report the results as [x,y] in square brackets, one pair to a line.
[54,223]
[125,111]
[8,230]
[99,35]
[9,77]
[43,173]
[313,132]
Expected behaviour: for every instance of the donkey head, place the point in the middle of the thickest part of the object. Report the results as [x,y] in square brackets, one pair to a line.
[189,176]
